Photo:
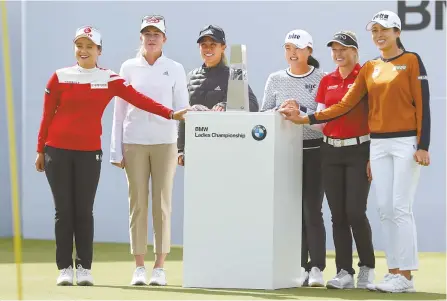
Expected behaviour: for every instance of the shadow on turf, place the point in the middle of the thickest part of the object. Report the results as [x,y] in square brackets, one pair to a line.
[286,294]
[43,251]
[40,251]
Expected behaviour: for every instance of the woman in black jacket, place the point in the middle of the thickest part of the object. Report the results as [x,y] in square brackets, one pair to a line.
[208,84]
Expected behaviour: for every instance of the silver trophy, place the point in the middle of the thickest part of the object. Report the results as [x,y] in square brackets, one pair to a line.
[237,95]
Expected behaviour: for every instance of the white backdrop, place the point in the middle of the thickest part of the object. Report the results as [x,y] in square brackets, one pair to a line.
[49,28]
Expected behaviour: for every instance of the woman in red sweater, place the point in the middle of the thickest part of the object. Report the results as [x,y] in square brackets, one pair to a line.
[69,147]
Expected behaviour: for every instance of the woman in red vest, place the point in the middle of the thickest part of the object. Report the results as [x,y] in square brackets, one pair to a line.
[345,167]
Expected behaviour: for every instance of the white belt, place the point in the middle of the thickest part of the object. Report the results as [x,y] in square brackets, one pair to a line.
[346,142]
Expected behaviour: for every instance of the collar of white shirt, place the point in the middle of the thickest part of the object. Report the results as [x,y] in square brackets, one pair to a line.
[159,61]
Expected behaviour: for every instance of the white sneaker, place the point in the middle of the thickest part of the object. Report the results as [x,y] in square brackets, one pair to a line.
[139,276]
[373,287]
[304,279]
[65,277]
[83,276]
[316,278]
[366,276]
[158,277]
[397,284]
[341,281]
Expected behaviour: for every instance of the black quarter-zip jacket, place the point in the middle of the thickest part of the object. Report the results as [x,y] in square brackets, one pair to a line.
[208,86]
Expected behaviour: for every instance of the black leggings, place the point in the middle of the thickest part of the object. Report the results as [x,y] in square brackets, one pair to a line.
[73,177]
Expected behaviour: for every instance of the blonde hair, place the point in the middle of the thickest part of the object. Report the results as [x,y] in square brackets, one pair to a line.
[141,51]
[354,37]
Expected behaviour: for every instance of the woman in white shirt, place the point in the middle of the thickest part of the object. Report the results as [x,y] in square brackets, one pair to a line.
[145,145]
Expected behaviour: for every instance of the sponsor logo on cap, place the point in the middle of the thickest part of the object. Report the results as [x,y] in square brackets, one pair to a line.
[209,31]
[381,16]
[151,20]
[294,36]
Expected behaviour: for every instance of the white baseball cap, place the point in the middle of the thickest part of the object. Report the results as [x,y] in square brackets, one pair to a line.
[386,18]
[89,32]
[300,38]
[156,21]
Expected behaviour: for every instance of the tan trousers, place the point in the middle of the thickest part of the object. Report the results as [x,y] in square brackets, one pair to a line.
[158,163]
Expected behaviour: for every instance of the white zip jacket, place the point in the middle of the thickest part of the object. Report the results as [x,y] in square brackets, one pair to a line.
[165,82]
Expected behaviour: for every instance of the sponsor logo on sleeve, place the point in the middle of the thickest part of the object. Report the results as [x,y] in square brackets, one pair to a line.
[399,67]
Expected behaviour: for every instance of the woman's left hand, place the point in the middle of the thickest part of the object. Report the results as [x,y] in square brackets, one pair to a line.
[422,157]
[180,115]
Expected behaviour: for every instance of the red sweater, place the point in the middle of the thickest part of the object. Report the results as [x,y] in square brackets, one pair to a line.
[75,100]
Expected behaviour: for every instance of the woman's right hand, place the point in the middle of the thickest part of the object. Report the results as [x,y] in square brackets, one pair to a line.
[181,160]
[40,162]
[289,103]
[120,164]
[368,172]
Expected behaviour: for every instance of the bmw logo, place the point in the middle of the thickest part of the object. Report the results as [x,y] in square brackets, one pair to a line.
[259,132]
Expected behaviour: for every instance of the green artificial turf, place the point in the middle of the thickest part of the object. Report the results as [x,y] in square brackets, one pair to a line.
[113,267]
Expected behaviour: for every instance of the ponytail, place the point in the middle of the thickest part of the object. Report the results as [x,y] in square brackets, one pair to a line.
[224,59]
[313,62]
[398,41]
[141,51]
[399,44]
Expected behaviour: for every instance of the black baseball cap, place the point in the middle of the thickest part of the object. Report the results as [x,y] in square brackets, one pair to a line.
[345,39]
[214,32]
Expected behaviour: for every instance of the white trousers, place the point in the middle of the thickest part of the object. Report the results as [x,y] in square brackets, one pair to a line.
[395,178]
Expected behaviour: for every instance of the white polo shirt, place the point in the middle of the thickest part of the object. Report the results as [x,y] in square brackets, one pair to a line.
[165,82]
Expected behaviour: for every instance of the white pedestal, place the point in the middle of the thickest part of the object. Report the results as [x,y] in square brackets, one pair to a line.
[242,211]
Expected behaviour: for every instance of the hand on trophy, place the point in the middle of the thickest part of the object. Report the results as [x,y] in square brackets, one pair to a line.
[290,104]
[199,108]
[181,160]
[293,114]
[220,107]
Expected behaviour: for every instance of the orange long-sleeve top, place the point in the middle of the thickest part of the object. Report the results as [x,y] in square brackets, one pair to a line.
[398,98]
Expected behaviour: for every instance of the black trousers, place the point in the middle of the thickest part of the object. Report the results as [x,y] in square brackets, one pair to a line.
[347,187]
[73,177]
[314,233]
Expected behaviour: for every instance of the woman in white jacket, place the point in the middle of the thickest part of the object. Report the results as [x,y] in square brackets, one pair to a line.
[145,146]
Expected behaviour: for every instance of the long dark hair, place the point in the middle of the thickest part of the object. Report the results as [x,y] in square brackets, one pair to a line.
[313,62]
[398,41]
